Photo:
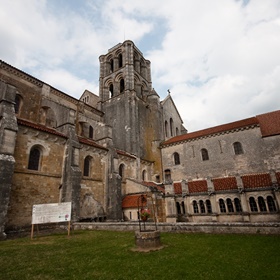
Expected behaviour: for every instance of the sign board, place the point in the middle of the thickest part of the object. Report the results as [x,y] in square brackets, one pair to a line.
[51,213]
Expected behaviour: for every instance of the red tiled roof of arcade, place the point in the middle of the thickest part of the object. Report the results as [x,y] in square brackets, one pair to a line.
[177,188]
[260,180]
[278,177]
[270,123]
[227,183]
[197,186]
[132,201]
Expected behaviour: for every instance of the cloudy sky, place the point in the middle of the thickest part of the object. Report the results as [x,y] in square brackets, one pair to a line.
[219,58]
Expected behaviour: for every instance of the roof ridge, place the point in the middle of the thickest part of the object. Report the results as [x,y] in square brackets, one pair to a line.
[212,131]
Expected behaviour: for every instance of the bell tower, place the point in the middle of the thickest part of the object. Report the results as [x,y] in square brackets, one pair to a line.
[124,69]
[130,104]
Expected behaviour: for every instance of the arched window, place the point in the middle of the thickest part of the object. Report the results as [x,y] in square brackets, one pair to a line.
[157,178]
[237,205]
[177,131]
[253,205]
[183,207]
[261,203]
[195,207]
[238,150]
[34,158]
[112,65]
[167,175]
[222,206]
[208,206]
[18,102]
[171,127]
[201,206]
[271,204]
[120,60]
[176,158]
[229,205]
[178,207]
[121,170]
[166,128]
[90,134]
[121,85]
[144,175]
[204,154]
[111,90]
[87,162]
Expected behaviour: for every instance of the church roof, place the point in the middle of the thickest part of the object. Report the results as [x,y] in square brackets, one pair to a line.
[259,180]
[159,187]
[169,98]
[126,154]
[177,188]
[278,177]
[132,201]
[226,183]
[40,127]
[198,186]
[269,124]
[91,143]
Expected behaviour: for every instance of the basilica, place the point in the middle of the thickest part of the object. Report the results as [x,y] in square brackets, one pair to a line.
[102,152]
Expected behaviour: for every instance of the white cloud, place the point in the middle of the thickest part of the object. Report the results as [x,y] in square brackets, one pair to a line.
[68,83]
[220,58]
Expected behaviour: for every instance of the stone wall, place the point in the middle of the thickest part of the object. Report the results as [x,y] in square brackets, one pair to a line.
[222,159]
[216,228]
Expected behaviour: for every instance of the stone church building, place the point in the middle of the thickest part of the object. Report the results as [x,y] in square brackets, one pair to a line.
[102,152]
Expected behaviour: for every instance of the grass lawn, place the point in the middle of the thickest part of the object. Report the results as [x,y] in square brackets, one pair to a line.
[108,255]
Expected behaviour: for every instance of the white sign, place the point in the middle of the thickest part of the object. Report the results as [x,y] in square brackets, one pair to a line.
[51,213]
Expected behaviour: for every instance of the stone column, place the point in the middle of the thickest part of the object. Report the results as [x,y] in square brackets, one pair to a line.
[114,194]
[8,130]
[72,175]
[243,199]
[170,208]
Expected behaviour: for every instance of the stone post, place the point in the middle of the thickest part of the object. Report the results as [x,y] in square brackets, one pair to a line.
[8,130]
[72,175]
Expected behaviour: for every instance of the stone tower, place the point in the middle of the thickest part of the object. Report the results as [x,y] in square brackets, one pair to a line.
[130,104]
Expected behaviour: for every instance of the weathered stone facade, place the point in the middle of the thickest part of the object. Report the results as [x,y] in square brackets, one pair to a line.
[99,152]
[55,148]
[228,173]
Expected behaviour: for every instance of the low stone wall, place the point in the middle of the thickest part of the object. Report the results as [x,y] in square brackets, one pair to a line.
[238,228]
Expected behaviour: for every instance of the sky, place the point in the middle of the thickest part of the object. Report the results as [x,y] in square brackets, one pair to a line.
[220,59]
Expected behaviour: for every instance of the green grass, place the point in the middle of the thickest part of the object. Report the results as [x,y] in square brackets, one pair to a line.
[108,255]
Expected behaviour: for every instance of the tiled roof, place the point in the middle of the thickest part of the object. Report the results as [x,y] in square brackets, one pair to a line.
[132,201]
[40,127]
[123,153]
[270,123]
[90,143]
[177,188]
[159,187]
[227,183]
[259,180]
[278,177]
[197,186]
[213,130]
